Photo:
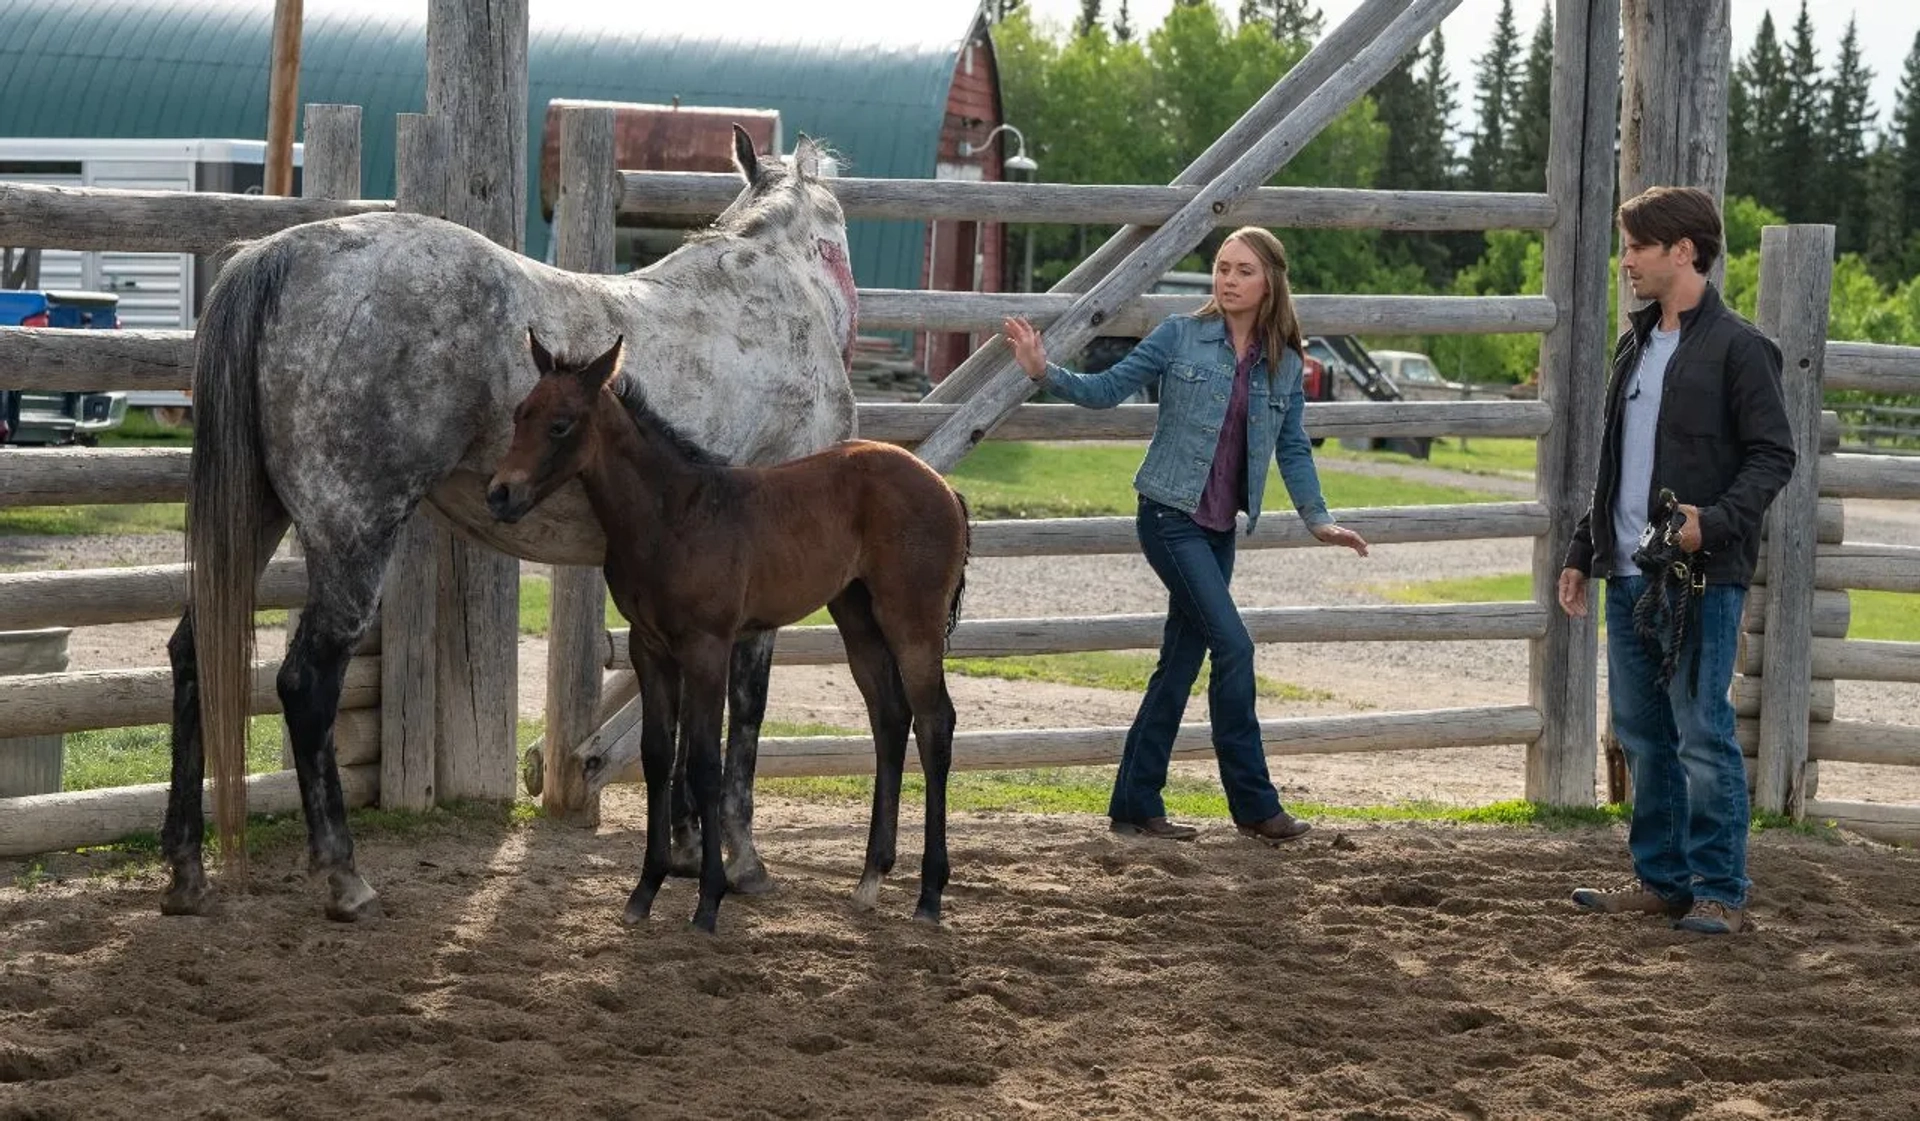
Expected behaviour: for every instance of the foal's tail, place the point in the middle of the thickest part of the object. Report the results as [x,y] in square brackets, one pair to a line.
[966,553]
[227,493]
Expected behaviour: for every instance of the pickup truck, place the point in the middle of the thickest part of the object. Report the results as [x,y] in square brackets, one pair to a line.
[37,417]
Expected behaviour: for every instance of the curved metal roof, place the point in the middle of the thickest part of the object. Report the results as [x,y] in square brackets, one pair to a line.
[875,91]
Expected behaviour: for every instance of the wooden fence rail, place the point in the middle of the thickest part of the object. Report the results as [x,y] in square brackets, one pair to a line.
[49,703]
[1873,568]
[124,221]
[1873,368]
[1846,475]
[1846,659]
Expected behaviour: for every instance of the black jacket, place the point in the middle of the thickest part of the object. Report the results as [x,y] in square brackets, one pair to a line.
[1722,443]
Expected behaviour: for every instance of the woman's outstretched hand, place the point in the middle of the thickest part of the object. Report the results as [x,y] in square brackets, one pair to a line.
[1028,349]
[1333,534]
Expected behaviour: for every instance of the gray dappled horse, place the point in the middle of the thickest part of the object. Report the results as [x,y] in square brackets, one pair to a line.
[348,369]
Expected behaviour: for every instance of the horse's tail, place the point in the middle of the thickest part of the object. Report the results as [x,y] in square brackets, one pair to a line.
[227,492]
[966,554]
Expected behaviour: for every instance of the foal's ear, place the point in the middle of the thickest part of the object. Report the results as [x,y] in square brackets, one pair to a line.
[595,373]
[542,359]
[744,157]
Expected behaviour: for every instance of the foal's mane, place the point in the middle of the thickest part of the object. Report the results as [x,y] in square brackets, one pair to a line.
[649,423]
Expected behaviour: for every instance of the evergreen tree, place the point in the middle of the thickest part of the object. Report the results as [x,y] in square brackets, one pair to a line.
[1089,18]
[1123,25]
[1295,20]
[1849,112]
[1886,242]
[1433,153]
[1495,87]
[1762,77]
[1533,112]
[1904,156]
[1796,166]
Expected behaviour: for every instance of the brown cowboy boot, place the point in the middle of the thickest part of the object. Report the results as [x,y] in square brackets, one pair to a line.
[1158,828]
[1710,916]
[1635,899]
[1276,830]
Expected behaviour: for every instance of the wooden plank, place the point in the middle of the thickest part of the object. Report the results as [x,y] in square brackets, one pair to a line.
[583,224]
[1673,102]
[57,359]
[809,756]
[1746,698]
[703,194]
[46,703]
[1832,612]
[1874,367]
[995,638]
[1847,659]
[895,309]
[1848,475]
[477,82]
[1881,568]
[1563,664]
[1219,199]
[283,92]
[101,218]
[1848,741]
[60,476]
[1796,273]
[87,597]
[1830,527]
[1894,824]
[909,423]
[1364,24]
[53,822]
[1380,525]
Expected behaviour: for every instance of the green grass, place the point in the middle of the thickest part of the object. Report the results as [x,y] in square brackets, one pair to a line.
[79,521]
[1104,669]
[130,756]
[1036,480]
[1493,588]
[1885,615]
[1480,456]
[140,431]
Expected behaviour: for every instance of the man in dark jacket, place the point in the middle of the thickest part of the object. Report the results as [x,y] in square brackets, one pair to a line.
[1694,408]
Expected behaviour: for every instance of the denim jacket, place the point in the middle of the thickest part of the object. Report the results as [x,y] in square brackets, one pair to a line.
[1192,362]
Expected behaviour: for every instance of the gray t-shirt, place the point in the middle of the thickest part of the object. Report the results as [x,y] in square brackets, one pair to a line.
[1638,423]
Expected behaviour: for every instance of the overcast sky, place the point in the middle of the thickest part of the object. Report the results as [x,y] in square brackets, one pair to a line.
[1886,28]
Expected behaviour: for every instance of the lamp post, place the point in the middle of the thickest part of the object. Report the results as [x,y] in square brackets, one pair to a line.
[1028,170]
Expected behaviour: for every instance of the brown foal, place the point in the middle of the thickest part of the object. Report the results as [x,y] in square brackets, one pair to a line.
[699,553]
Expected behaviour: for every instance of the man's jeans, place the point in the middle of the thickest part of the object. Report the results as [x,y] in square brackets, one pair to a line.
[1689,831]
[1196,565]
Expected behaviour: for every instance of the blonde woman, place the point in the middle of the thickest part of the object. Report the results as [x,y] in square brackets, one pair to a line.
[1230,404]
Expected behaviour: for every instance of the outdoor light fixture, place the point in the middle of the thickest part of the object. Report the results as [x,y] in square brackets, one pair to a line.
[1016,162]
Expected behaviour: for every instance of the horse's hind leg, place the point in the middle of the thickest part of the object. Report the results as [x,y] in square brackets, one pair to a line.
[924,674]
[878,677]
[185,823]
[748,678]
[343,592]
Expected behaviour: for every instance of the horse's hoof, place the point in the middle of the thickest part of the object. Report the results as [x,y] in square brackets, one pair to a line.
[635,915]
[192,900]
[685,863]
[704,924]
[752,881]
[928,915]
[867,895]
[352,899]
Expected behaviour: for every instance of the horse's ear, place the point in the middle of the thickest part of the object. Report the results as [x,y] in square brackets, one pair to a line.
[806,157]
[744,157]
[542,358]
[596,373]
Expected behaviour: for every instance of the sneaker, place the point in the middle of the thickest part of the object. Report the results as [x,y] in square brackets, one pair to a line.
[1710,916]
[1638,899]
[1158,828]
[1276,830]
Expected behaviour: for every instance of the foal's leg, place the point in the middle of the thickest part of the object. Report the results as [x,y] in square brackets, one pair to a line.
[878,677]
[923,671]
[185,824]
[659,705]
[343,592]
[747,681]
[703,691]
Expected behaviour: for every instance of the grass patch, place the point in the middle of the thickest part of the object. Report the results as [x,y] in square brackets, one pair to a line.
[1885,615]
[1013,479]
[131,756]
[80,521]
[140,430]
[1512,456]
[1493,588]
[1105,669]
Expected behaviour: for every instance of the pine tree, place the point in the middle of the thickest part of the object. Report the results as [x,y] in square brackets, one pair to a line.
[1904,185]
[1286,19]
[1089,19]
[1434,156]
[1494,86]
[1763,78]
[1796,166]
[1123,25]
[1849,112]
[1532,120]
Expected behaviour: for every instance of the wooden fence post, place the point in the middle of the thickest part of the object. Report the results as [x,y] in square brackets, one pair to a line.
[1796,274]
[576,634]
[1678,62]
[330,170]
[32,764]
[1563,666]
[410,596]
[477,81]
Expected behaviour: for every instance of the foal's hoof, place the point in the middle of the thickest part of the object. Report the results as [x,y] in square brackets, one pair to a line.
[187,899]
[351,900]
[867,895]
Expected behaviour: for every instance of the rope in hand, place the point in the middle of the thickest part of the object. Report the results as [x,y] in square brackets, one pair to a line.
[1675,581]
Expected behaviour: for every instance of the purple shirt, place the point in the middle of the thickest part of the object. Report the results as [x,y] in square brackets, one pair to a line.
[1226,490]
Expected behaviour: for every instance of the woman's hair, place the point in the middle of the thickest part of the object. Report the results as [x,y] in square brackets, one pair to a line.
[1276,317]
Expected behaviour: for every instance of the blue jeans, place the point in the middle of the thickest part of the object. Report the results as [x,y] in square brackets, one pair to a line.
[1688,834]
[1196,565]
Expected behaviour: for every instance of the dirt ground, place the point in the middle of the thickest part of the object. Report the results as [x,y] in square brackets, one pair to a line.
[1375,972]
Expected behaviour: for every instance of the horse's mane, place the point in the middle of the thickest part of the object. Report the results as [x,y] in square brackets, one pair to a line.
[634,400]
[769,205]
